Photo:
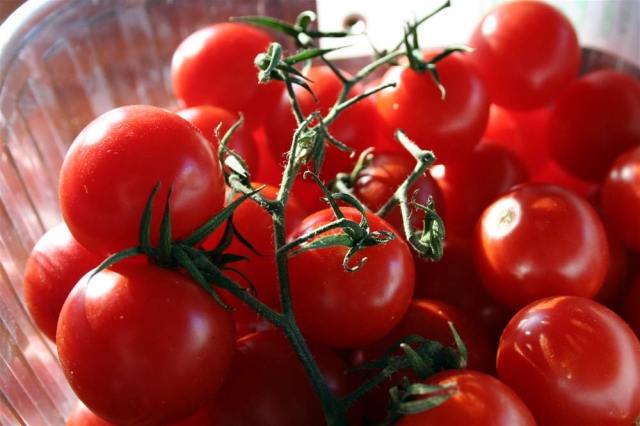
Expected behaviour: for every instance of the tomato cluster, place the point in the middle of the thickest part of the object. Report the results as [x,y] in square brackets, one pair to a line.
[208,248]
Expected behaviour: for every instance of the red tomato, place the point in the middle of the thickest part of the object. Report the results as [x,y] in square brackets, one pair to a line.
[355,127]
[429,319]
[215,66]
[255,224]
[267,384]
[450,127]
[56,263]
[207,118]
[470,184]
[113,165]
[596,119]
[527,52]
[343,308]
[478,399]
[620,198]
[141,344]
[375,185]
[540,240]
[454,280]
[572,361]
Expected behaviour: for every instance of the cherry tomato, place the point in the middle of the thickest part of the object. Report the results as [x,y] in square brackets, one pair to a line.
[451,126]
[594,121]
[620,198]
[55,264]
[141,344]
[342,308]
[454,280]
[375,185]
[215,66]
[470,184]
[527,52]
[540,240]
[572,361]
[355,127]
[114,164]
[478,399]
[267,384]
[429,319]
[207,118]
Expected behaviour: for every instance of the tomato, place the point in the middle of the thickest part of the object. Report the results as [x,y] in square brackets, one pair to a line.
[215,66]
[478,398]
[141,344]
[429,319]
[259,269]
[527,52]
[620,198]
[267,384]
[470,184]
[54,266]
[207,118]
[375,184]
[540,240]
[355,127]
[595,120]
[450,127]
[116,161]
[341,308]
[572,361]
[454,280]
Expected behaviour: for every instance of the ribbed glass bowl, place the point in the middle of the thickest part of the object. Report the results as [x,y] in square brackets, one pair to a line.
[62,63]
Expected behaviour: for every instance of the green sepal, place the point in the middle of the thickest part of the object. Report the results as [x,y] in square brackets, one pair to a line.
[462,348]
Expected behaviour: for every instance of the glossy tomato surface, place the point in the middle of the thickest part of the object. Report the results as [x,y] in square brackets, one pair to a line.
[141,344]
[573,361]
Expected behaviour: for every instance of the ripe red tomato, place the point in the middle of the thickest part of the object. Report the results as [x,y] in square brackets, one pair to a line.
[470,184]
[55,264]
[215,66]
[527,52]
[341,308]
[355,127]
[479,399]
[450,127]
[594,121]
[454,280]
[620,198]
[572,361]
[207,118]
[141,344]
[540,240]
[375,185]
[267,384]
[113,165]
[429,319]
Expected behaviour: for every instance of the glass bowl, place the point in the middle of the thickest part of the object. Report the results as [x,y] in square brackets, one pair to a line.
[62,63]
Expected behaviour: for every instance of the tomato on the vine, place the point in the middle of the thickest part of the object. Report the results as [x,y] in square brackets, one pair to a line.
[540,240]
[476,398]
[527,52]
[215,66]
[342,308]
[451,126]
[142,344]
[54,266]
[573,361]
[114,164]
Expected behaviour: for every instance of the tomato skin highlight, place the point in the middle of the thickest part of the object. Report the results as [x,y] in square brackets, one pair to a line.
[540,240]
[573,361]
[525,68]
[346,309]
[141,344]
[114,164]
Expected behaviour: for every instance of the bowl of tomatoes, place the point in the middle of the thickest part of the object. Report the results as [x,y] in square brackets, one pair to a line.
[475,197]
